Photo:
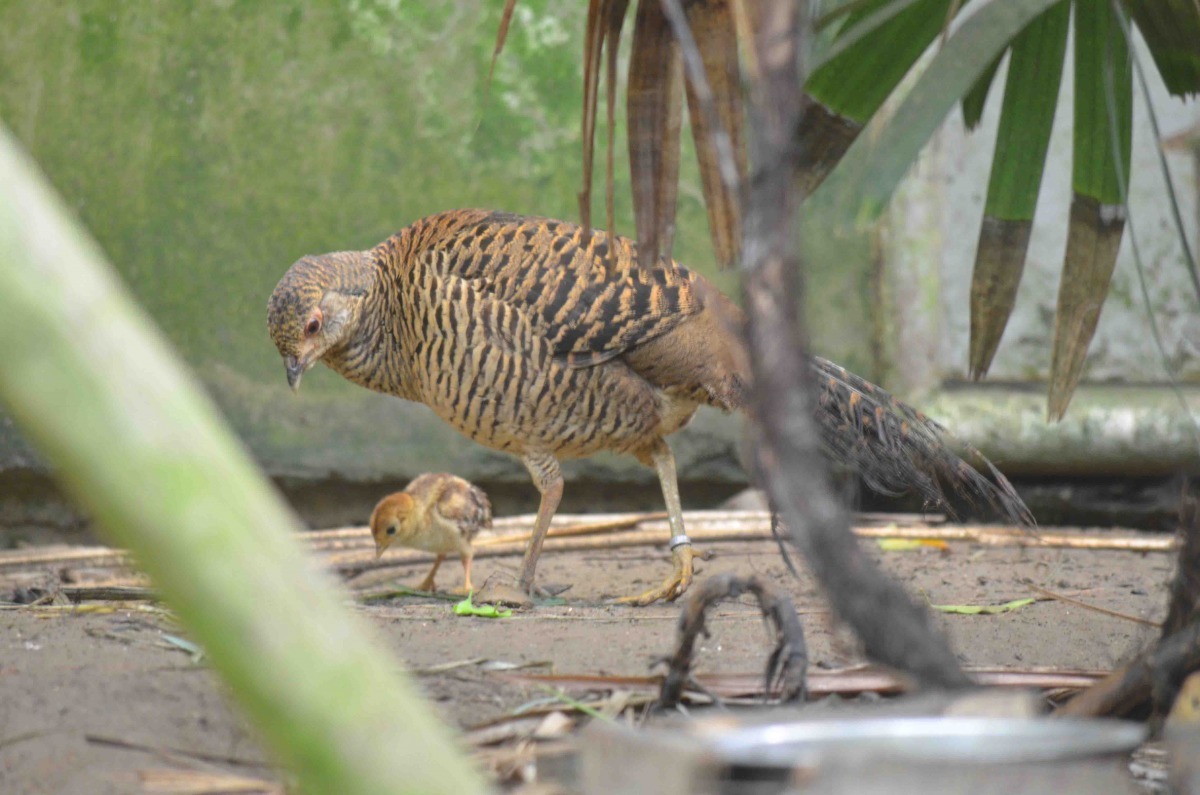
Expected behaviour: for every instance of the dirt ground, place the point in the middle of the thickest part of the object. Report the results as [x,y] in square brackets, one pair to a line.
[90,699]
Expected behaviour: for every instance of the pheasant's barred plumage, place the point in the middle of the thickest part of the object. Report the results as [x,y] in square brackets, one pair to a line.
[538,338]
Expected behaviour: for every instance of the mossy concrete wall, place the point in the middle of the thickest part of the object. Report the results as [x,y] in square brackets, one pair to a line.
[209,145]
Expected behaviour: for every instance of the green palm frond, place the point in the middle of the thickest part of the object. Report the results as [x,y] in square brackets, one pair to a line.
[865,50]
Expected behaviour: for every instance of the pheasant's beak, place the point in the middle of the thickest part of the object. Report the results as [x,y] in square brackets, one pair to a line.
[295,369]
[380,546]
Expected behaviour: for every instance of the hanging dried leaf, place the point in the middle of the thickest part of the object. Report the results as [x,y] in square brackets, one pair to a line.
[501,37]
[1093,238]
[1102,137]
[612,40]
[593,43]
[655,104]
[823,137]
[999,262]
[712,26]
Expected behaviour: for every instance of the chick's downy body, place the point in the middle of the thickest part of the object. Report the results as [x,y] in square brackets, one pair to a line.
[533,337]
[436,512]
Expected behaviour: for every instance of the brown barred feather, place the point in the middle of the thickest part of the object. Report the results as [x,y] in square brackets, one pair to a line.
[533,338]
[459,502]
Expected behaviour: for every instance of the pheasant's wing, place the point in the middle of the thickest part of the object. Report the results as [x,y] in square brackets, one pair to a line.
[591,298]
[897,448]
[427,488]
[465,505]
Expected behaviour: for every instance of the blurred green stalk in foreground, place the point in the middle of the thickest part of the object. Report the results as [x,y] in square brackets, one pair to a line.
[92,383]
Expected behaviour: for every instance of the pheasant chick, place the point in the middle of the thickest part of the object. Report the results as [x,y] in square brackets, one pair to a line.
[439,513]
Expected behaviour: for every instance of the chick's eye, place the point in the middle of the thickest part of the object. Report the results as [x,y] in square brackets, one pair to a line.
[313,326]
[391,530]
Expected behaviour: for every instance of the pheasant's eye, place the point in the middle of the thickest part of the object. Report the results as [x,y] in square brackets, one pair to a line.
[313,326]
[391,530]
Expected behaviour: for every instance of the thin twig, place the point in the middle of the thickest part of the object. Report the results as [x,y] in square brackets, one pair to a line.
[130,745]
[1096,608]
[58,555]
[350,549]
[197,782]
[109,593]
[16,739]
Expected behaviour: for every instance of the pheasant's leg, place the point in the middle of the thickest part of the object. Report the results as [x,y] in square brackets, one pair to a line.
[543,468]
[548,479]
[682,553]
[427,583]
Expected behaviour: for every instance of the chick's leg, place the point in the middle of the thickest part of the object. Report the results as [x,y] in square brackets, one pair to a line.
[467,557]
[547,476]
[427,583]
[682,554]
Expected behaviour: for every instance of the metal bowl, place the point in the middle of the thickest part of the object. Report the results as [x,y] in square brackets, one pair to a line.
[864,756]
[927,739]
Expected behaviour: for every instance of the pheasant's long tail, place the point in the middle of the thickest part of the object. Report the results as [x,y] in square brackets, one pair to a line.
[898,449]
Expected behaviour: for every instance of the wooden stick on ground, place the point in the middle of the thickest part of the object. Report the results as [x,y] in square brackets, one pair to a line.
[350,550]
[735,530]
[1095,608]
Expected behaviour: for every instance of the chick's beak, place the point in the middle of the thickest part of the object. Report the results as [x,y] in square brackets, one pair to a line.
[295,369]
[380,546]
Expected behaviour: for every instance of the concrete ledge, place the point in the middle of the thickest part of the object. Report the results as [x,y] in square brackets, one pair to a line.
[1109,430]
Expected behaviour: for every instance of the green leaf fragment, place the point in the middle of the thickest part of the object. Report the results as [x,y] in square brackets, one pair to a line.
[467,608]
[183,644]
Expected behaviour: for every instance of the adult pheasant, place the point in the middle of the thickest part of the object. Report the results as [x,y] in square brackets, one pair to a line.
[533,337]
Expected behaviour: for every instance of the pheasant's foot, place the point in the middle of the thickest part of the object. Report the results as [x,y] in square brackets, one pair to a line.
[505,594]
[426,584]
[552,589]
[674,586]
[515,595]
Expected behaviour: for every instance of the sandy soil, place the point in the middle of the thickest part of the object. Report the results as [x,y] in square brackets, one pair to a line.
[69,679]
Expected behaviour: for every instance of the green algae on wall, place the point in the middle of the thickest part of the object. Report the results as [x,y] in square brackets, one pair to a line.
[209,145]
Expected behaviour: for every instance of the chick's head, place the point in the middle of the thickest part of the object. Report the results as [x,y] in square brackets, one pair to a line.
[392,518]
[315,308]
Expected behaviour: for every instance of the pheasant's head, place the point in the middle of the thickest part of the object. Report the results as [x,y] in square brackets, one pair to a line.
[315,308]
[393,517]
